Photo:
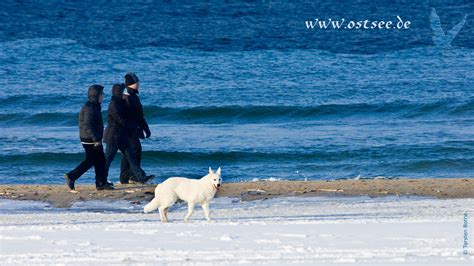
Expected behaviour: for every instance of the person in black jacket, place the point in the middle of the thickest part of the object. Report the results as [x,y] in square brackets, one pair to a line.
[138,126]
[117,133]
[91,128]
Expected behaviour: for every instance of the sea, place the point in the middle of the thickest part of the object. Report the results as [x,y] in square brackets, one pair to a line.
[244,86]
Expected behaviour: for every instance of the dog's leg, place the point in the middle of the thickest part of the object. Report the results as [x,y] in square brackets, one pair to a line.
[205,208]
[190,211]
[163,214]
[166,213]
[162,218]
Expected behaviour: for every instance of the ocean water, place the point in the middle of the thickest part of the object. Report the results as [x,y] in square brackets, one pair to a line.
[263,100]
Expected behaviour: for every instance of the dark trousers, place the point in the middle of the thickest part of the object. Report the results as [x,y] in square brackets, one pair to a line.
[125,169]
[127,152]
[94,157]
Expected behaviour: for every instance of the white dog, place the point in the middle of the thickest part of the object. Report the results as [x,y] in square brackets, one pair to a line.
[192,191]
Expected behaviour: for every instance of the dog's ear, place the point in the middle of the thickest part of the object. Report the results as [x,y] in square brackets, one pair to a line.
[210,171]
[218,171]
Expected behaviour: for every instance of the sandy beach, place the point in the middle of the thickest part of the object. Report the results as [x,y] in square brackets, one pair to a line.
[59,195]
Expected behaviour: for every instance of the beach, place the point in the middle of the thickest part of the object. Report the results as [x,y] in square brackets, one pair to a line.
[341,222]
[59,195]
[322,230]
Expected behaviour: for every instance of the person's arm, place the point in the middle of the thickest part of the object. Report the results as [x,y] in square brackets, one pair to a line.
[145,127]
[143,124]
[118,115]
[89,127]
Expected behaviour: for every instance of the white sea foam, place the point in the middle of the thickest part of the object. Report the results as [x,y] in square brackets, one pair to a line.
[271,179]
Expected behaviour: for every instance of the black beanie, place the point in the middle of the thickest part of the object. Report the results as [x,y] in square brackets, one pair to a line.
[117,89]
[94,92]
[130,79]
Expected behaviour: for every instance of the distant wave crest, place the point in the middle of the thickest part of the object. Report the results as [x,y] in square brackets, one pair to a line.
[263,114]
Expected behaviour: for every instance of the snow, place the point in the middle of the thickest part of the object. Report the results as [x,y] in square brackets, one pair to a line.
[307,230]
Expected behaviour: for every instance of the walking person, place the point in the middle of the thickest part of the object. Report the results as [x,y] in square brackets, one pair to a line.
[139,130]
[116,134]
[91,128]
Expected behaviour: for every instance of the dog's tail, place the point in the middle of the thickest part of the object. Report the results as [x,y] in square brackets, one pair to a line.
[153,205]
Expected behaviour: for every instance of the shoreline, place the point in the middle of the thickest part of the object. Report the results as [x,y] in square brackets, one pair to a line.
[443,188]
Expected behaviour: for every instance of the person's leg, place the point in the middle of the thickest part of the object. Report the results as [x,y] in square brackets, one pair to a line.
[127,153]
[85,165]
[137,151]
[110,152]
[124,170]
[99,166]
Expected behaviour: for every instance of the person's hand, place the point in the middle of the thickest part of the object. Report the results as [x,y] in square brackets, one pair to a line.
[147,133]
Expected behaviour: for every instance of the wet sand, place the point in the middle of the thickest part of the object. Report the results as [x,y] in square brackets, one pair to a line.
[60,196]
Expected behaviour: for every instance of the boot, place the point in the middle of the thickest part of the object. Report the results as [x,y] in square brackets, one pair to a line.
[143,180]
[69,182]
[106,186]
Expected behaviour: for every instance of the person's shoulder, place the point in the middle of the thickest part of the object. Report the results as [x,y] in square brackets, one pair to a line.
[115,104]
[85,105]
[90,106]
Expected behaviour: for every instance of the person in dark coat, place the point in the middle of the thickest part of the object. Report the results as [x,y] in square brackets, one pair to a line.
[117,133]
[139,129]
[91,128]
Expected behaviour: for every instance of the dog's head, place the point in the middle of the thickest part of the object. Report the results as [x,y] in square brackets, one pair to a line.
[215,178]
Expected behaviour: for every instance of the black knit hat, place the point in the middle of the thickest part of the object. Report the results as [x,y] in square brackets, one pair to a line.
[130,79]
[94,92]
[117,89]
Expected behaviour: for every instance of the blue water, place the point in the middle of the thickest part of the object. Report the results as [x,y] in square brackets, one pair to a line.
[264,102]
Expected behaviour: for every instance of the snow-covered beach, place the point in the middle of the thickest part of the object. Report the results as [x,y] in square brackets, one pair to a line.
[324,230]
